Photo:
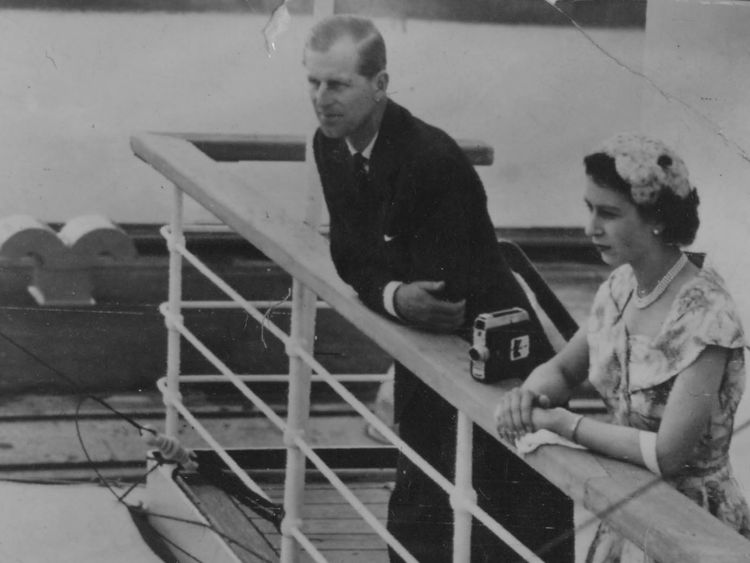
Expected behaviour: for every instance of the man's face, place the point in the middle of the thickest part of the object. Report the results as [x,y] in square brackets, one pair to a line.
[344,100]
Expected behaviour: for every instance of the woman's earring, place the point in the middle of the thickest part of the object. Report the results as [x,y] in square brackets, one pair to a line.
[656,232]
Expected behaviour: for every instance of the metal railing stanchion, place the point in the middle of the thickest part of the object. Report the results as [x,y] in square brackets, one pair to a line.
[464,492]
[302,337]
[176,238]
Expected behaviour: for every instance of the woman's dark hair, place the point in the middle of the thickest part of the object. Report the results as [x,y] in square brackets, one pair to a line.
[678,215]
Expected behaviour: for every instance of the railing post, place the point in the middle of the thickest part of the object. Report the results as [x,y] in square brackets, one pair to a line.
[302,335]
[175,299]
[464,492]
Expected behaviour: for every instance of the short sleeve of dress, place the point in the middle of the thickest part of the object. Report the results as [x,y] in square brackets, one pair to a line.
[704,315]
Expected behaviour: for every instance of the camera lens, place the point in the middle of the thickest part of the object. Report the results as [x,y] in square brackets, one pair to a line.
[479,353]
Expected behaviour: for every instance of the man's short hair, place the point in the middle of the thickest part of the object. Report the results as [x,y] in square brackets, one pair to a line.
[367,38]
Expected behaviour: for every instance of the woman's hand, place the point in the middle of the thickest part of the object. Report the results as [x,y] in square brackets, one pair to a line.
[521,411]
[514,414]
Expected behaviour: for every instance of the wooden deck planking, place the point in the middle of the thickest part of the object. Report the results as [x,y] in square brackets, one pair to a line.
[330,523]
[241,535]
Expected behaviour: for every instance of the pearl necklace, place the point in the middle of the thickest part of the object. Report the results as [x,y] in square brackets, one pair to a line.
[644,301]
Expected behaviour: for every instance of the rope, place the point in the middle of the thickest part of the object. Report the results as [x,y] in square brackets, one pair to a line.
[73,383]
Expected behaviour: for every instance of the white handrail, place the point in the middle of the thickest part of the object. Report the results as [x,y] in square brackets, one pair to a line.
[222,367]
[176,402]
[462,497]
[607,487]
[270,414]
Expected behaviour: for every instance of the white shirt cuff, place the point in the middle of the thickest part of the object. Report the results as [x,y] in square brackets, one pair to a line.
[389,293]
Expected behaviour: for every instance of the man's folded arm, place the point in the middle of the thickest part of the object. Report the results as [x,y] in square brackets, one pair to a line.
[374,283]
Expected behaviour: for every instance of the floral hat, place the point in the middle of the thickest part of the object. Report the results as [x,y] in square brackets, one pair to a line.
[648,165]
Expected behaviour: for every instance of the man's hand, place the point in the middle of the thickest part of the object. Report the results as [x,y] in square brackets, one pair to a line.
[416,303]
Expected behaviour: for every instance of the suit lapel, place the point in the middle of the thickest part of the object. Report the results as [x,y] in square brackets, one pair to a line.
[385,157]
[341,182]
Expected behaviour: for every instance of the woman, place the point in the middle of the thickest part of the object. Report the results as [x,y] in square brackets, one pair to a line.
[663,345]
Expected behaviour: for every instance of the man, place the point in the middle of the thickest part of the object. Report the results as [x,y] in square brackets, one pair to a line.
[410,232]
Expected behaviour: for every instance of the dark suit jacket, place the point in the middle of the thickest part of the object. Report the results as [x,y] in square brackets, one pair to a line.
[423,217]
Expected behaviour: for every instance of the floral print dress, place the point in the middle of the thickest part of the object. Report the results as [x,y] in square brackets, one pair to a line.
[635,374]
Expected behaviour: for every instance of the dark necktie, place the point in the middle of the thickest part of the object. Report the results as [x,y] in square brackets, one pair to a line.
[360,173]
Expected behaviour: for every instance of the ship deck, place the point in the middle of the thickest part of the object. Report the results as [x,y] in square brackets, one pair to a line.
[330,522]
[43,433]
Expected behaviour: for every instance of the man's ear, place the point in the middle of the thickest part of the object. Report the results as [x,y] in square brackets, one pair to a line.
[381,85]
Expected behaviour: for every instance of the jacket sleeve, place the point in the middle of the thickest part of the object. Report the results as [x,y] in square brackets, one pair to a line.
[435,209]
[360,265]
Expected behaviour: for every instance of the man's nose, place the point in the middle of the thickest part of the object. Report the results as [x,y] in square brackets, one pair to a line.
[321,95]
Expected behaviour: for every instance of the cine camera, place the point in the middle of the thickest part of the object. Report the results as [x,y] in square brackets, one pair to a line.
[501,345]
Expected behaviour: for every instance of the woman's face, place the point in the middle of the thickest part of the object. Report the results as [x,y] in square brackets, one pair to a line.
[615,227]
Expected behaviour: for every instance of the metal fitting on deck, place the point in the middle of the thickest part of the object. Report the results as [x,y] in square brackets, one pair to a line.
[290,435]
[63,262]
[172,322]
[171,398]
[293,348]
[173,242]
[462,500]
[288,525]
